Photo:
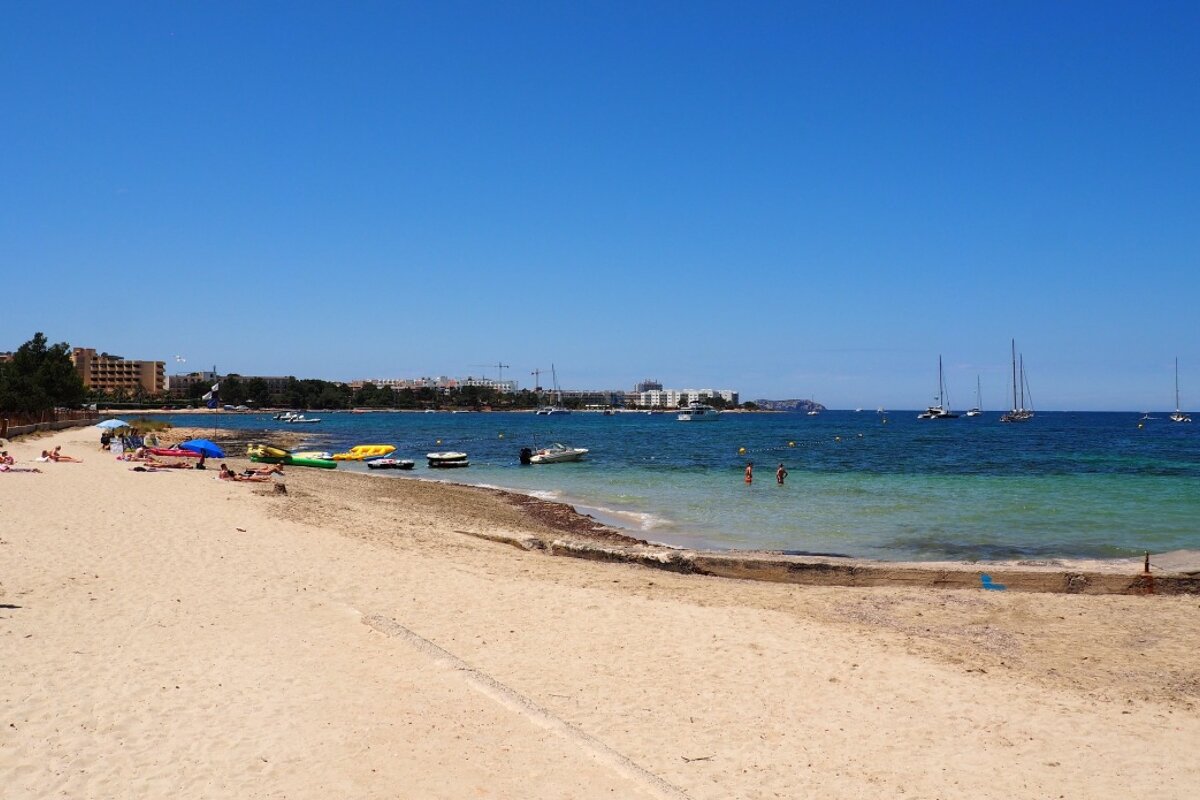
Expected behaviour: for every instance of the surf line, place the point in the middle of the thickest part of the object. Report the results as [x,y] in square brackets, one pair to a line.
[510,698]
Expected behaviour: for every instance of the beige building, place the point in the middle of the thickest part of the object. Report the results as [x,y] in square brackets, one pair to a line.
[102,372]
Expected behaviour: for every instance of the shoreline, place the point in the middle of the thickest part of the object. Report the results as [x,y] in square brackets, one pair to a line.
[192,637]
[581,535]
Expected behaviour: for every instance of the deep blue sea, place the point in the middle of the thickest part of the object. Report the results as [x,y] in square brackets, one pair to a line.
[887,486]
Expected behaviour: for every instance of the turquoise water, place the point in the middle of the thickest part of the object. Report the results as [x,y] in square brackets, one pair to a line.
[1062,485]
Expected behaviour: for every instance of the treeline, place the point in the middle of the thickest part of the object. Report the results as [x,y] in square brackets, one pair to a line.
[318,394]
[40,377]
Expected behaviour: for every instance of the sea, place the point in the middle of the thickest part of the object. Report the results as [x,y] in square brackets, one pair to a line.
[865,484]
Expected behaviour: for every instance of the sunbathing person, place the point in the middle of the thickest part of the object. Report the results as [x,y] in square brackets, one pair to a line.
[8,467]
[151,461]
[229,475]
[5,458]
[269,469]
[57,456]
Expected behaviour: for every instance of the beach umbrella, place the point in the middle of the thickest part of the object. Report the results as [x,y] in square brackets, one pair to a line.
[113,423]
[204,447]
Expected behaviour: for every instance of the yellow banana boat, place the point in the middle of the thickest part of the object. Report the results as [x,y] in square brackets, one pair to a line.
[359,452]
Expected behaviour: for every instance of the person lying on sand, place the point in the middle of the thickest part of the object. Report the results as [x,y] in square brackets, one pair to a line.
[8,467]
[57,456]
[229,475]
[5,458]
[155,463]
[270,469]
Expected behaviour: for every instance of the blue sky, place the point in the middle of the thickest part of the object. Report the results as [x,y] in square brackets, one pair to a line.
[788,199]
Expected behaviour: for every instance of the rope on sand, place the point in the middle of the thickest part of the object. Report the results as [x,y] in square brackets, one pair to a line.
[512,699]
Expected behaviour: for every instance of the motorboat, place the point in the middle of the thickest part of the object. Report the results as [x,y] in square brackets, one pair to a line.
[390,463]
[698,412]
[556,453]
[301,419]
[447,460]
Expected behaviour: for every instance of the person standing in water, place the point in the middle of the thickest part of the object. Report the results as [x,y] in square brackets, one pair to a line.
[749,472]
[780,474]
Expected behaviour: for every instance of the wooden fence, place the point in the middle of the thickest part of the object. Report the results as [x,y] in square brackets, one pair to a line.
[16,423]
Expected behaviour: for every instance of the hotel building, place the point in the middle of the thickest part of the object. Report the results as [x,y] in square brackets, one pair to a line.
[102,372]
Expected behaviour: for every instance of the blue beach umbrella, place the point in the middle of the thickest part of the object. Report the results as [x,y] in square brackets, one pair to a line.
[204,447]
[112,424]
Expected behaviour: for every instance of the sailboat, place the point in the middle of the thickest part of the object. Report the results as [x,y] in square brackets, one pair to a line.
[976,411]
[938,411]
[558,407]
[1178,416]
[1019,412]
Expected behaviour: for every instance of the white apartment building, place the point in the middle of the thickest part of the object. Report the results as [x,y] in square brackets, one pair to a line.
[440,382]
[674,398]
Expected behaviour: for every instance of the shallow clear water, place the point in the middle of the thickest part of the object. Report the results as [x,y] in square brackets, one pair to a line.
[1062,485]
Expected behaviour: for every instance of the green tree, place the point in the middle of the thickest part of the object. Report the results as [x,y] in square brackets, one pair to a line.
[40,377]
[257,392]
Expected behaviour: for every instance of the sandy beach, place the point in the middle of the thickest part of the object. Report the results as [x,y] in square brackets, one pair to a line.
[172,635]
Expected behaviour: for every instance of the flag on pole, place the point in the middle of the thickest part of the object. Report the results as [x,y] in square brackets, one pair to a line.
[213,396]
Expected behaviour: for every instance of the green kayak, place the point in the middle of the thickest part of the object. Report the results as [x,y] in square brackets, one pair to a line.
[320,463]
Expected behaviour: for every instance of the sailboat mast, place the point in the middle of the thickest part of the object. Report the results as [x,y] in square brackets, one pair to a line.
[1022,381]
[1014,368]
[941,384]
[1176,384]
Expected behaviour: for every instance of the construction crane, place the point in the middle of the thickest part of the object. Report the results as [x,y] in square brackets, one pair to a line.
[500,367]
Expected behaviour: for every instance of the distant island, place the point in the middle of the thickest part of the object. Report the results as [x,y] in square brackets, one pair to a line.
[789,405]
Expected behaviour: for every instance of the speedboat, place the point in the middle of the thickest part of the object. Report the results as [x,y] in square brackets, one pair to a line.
[302,419]
[447,460]
[556,453]
[390,463]
[698,412]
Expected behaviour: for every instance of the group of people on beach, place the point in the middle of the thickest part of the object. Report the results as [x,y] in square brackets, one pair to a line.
[9,464]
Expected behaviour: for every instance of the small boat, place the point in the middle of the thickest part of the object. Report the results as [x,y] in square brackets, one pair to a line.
[364,451]
[1178,416]
[323,455]
[939,411]
[698,412]
[976,411]
[447,460]
[555,453]
[266,450]
[265,454]
[300,419]
[390,463]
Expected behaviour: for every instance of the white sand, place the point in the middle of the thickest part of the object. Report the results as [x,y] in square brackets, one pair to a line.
[157,651]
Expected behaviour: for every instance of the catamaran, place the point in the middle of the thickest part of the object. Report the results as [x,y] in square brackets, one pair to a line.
[1178,416]
[1019,412]
[939,411]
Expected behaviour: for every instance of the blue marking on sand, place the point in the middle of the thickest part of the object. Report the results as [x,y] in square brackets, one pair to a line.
[986,580]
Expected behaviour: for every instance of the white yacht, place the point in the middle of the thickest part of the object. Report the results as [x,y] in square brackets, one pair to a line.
[698,412]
